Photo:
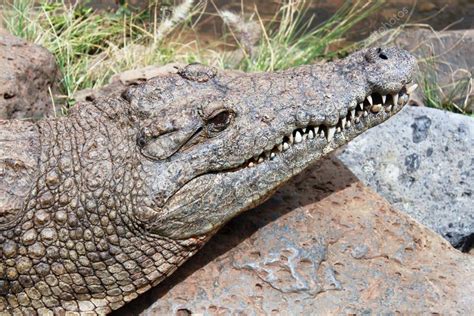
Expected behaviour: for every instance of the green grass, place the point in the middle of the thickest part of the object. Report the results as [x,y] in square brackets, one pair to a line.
[291,38]
[454,97]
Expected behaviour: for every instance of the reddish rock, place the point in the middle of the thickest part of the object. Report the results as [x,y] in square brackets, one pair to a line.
[28,71]
[323,244]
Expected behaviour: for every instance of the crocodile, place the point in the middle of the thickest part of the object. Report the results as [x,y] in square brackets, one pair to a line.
[98,206]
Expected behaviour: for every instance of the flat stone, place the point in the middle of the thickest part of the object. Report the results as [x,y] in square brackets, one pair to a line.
[27,72]
[422,162]
[324,242]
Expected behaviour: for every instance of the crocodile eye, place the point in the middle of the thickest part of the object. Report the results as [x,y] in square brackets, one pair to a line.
[219,121]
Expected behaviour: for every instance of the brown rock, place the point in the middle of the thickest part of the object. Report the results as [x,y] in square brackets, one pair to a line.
[323,243]
[28,71]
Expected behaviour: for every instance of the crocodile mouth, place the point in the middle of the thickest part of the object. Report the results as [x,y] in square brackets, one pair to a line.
[203,205]
[373,105]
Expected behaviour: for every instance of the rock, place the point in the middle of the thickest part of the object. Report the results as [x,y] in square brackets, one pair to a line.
[28,71]
[445,58]
[422,162]
[324,244]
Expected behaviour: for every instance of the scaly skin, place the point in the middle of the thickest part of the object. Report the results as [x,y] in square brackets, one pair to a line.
[99,206]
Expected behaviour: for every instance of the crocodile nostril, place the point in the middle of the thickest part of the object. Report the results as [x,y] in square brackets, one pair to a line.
[381,53]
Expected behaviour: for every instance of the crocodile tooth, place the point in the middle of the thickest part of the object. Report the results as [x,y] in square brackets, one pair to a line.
[280,147]
[298,137]
[291,139]
[412,88]
[357,121]
[353,113]
[376,108]
[348,124]
[331,132]
[305,136]
[305,130]
[260,159]
[338,129]
[366,113]
[311,133]
[285,146]
[272,155]
[384,99]
[369,98]
[343,122]
[322,132]
[251,164]
[395,98]
[361,105]
[389,108]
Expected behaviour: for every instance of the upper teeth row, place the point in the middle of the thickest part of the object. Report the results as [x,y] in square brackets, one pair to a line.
[309,132]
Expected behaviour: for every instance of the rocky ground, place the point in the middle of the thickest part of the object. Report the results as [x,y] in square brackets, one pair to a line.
[422,162]
[324,244]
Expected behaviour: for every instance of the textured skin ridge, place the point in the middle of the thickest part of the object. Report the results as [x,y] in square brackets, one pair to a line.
[101,205]
[75,246]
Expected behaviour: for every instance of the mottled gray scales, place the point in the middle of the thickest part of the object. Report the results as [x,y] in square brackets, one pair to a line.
[99,206]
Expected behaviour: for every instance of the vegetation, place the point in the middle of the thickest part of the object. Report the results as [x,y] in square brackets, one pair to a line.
[291,39]
[92,46]
[454,97]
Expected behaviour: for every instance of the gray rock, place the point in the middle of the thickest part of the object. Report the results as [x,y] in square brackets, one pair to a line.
[27,71]
[422,161]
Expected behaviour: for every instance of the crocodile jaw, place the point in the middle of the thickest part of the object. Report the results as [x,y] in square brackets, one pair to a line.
[207,202]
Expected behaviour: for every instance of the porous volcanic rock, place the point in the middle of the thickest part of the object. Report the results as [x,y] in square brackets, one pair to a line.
[323,244]
[28,72]
[422,162]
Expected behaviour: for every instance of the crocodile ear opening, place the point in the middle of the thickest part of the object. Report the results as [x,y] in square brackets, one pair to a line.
[160,145]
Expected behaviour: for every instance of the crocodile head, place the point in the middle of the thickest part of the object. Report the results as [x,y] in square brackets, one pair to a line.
[124,190]
[216,143]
